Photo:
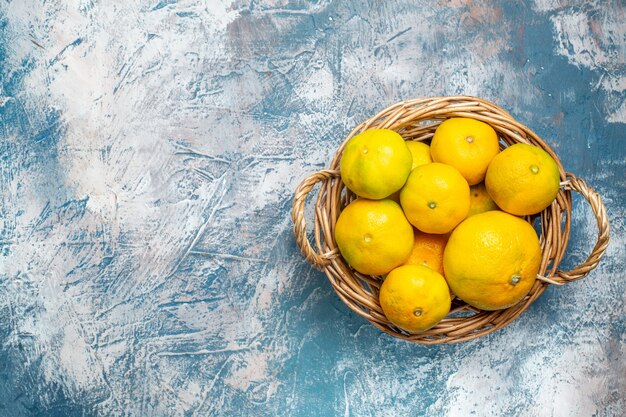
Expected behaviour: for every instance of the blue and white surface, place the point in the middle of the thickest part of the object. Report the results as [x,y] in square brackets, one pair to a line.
[149,151]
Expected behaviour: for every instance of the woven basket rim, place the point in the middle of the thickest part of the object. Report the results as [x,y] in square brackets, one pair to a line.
[416,119]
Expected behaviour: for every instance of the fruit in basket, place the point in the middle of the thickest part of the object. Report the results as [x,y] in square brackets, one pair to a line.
[435,198]
[523,179]
[466,144]
[421,156]
[491,260]
[428,250]
[420,153]
[480,200]
[373,236]
[375,163]
[414,297]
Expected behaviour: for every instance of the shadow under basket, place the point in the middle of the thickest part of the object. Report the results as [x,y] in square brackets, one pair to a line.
[417,120]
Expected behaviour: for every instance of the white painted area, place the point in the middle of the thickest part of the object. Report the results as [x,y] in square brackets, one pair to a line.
[320,85]
[619,115]
[595,41]
[543,6]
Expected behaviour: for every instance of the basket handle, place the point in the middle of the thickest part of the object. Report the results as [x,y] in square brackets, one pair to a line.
[599,210]
[297,215]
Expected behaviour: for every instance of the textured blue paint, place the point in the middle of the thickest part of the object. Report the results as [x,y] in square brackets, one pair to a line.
[149,151]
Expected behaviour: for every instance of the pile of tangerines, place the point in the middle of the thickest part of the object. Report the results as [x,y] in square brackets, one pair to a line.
[442,220]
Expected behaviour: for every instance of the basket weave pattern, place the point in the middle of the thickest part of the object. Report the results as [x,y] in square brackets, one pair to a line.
[417,120]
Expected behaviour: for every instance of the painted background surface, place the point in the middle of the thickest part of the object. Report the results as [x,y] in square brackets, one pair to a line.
[148,155]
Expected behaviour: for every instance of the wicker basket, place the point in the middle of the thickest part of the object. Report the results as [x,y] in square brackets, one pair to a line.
[417,120]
